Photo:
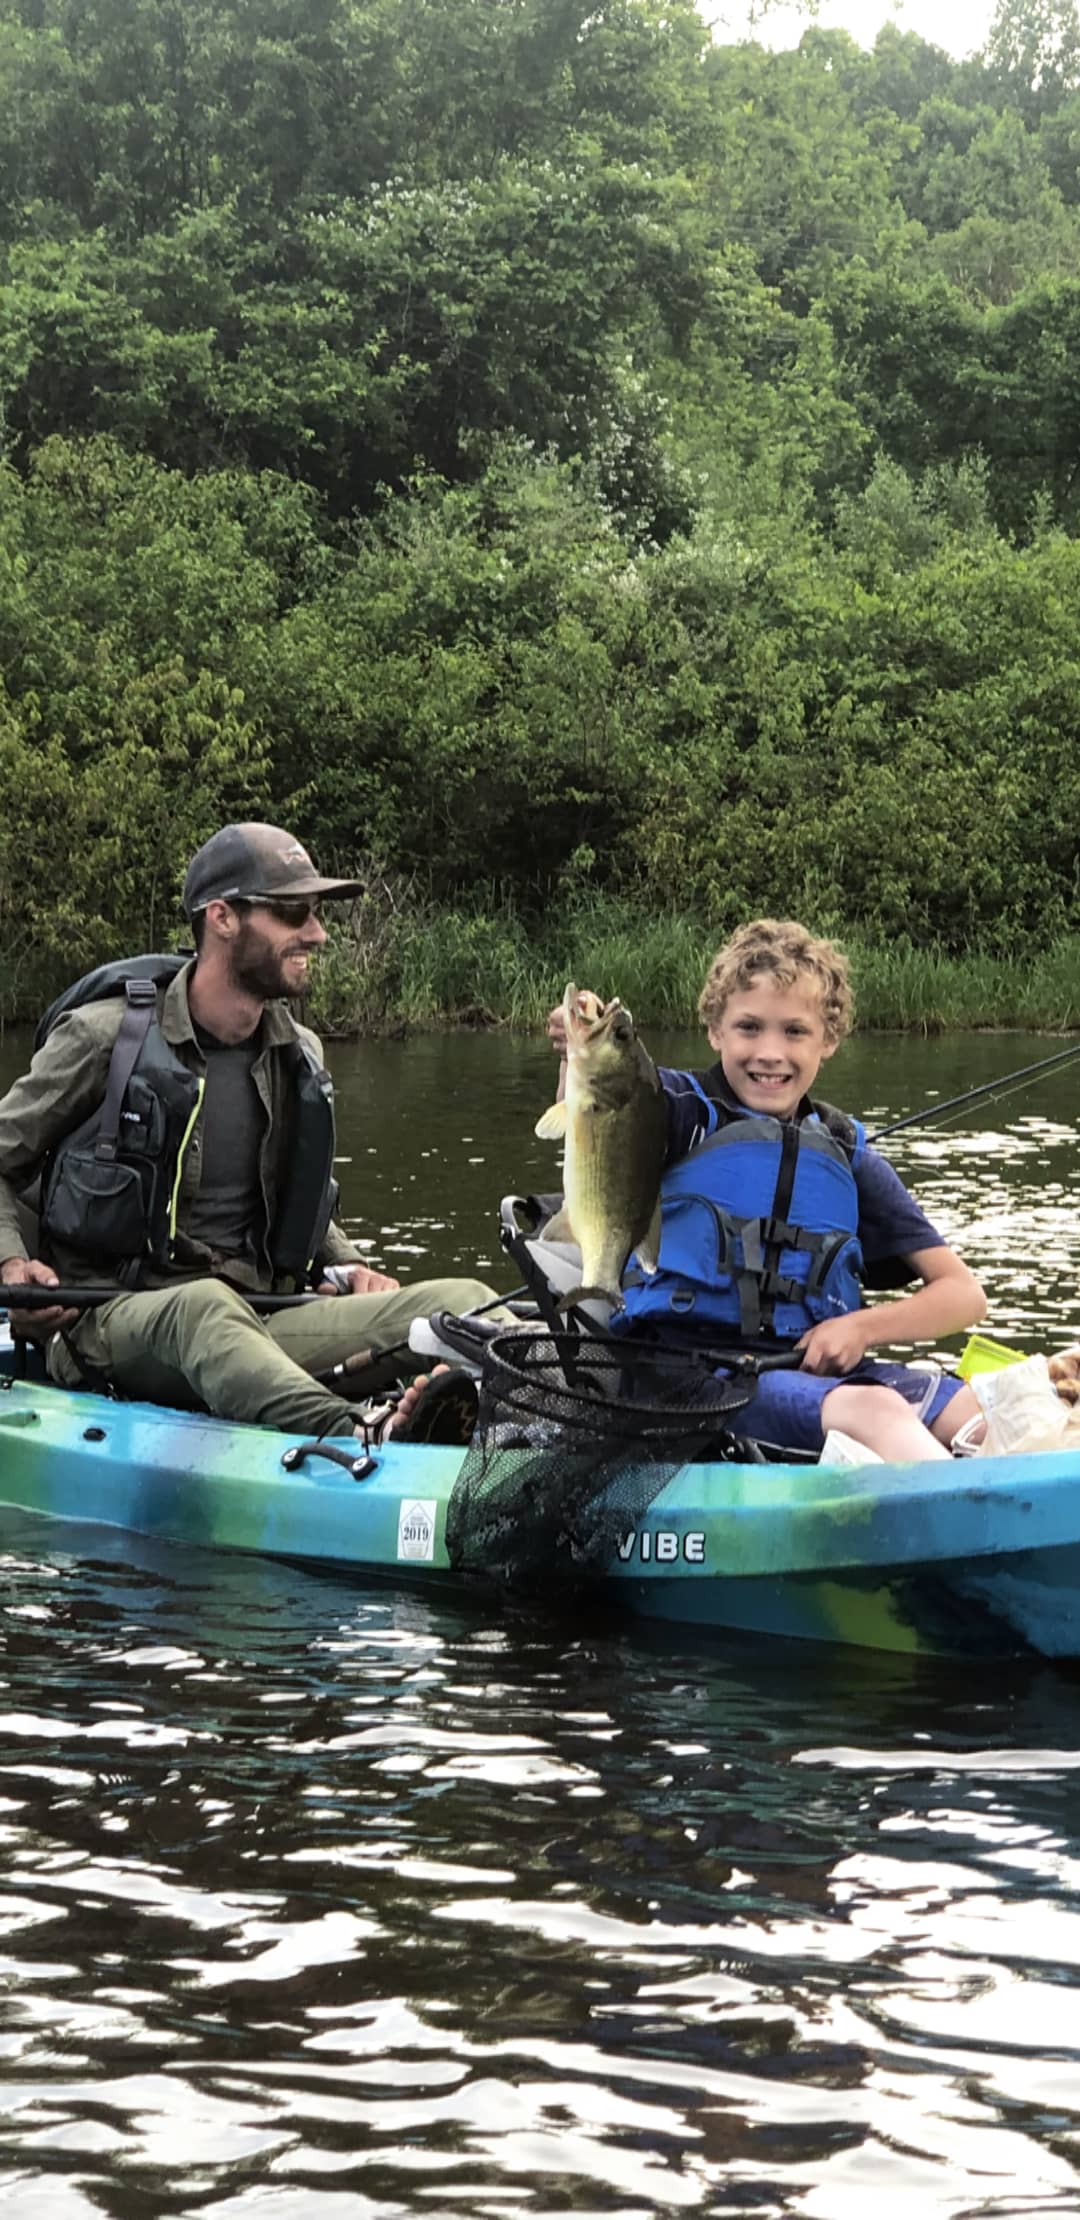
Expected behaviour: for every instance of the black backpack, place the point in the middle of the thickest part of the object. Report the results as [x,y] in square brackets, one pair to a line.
[108,980]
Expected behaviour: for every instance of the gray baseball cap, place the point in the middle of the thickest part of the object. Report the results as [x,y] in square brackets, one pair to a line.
[257,863]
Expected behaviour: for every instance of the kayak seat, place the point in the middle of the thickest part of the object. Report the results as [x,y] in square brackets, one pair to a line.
[549,1269]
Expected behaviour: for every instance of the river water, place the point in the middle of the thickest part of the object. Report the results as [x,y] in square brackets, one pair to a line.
[322,1902]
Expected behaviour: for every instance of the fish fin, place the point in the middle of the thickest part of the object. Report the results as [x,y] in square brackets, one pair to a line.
[647,1251]
[552,1126]
[559,1227]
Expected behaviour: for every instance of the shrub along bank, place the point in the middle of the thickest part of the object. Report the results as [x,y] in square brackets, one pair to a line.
[399,963]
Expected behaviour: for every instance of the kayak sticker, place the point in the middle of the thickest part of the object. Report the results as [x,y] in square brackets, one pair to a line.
[416,1530]
[662,1547]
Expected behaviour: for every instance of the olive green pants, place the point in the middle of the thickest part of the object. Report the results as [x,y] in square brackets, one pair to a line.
[200,1346]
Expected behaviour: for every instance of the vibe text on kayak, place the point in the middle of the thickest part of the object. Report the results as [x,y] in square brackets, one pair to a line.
[665,1547]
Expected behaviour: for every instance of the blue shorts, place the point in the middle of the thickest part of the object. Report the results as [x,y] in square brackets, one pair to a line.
[785,1408]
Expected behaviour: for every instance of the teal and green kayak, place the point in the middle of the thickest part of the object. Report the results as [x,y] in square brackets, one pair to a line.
[959,1558]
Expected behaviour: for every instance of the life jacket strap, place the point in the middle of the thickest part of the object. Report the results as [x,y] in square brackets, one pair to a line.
[742,1257]
[750,1251]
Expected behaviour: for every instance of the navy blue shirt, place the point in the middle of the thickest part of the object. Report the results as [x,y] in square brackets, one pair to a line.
[891,1224]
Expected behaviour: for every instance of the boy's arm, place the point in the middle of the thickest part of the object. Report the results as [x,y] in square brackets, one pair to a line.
[949,1298]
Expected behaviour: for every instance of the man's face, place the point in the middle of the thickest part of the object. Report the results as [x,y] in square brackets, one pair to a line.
[270,954]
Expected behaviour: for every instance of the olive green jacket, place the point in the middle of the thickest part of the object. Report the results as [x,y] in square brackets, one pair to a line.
[67,1081]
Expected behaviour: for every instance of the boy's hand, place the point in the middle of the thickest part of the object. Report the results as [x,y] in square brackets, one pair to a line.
[1064,1370]
[837,1345]
[556,1024]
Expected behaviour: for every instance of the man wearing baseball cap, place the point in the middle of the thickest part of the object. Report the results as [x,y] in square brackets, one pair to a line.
[179,1121]
[256,863]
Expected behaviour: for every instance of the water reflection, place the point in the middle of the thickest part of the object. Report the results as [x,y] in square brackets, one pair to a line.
[322,1902]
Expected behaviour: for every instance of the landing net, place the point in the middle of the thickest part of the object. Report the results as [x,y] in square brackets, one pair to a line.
[574,1439]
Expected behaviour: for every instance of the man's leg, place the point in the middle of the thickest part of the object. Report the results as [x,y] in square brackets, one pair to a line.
[320,1335]
[201,1344]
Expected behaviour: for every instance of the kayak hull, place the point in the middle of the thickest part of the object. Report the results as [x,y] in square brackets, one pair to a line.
[950,1558]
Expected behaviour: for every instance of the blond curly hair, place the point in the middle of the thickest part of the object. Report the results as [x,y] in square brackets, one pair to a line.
[789,955]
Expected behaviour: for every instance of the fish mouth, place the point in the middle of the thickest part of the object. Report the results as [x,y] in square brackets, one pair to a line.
[581,1006]
[588,1018]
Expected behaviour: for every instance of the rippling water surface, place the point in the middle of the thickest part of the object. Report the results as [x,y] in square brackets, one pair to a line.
[322,1901]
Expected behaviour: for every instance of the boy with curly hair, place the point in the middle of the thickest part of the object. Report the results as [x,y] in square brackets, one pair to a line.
[776,1212]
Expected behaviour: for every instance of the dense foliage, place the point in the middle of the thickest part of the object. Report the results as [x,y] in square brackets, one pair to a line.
[544,452]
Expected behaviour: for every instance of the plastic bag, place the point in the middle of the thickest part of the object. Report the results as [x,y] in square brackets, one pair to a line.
[1023,1411]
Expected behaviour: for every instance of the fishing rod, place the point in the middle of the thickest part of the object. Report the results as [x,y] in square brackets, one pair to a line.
[31,1295]
[403,1348]
[994,1088]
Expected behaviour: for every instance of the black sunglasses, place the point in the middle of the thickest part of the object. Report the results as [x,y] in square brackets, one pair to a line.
[291,910]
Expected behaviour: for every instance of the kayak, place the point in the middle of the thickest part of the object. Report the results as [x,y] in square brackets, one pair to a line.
[959,1558]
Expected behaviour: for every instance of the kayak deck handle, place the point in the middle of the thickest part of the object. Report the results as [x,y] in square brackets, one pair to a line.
[358,1468]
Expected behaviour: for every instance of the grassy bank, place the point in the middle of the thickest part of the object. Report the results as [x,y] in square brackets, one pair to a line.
[397,962]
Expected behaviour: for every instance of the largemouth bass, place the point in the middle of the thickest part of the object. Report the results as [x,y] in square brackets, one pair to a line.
[615,1129]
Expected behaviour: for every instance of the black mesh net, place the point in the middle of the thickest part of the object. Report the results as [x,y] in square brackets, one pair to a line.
[574,1439]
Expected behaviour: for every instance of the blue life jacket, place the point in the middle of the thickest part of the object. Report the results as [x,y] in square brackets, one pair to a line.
[759,1230]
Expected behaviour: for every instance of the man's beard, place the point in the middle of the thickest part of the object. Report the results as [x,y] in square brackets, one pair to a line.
[258,969]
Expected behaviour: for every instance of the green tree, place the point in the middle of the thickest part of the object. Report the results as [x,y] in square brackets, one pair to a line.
[1033,50]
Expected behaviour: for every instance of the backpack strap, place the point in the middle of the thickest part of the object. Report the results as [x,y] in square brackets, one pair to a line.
[140,1009]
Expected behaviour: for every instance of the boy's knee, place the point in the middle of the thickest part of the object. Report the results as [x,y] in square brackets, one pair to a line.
[876,1406]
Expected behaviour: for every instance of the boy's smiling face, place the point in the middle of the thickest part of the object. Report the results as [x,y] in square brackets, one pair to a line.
[772,1042]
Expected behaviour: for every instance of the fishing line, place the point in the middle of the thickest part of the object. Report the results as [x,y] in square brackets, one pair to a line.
[956,1117]
[992,1090]
[1001,1096]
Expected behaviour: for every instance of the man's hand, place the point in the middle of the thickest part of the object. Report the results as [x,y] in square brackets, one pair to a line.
[34,1325]
[1064,1370]
[837,1345]
[363,1281]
